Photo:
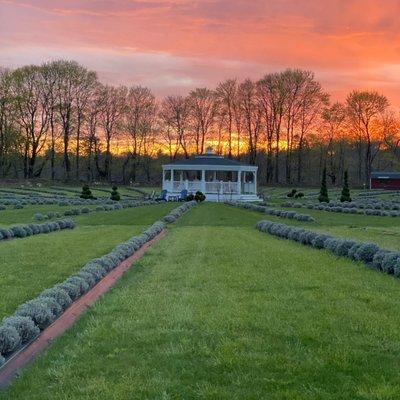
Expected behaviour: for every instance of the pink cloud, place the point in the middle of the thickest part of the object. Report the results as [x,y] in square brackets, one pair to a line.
[348,43]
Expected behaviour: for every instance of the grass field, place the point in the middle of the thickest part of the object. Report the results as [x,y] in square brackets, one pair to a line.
[35,263]
[218,310]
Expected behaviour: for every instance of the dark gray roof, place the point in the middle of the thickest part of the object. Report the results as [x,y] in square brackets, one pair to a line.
[385,175]
[208,159]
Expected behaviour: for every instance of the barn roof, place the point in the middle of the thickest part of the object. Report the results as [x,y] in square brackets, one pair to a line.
[385,175]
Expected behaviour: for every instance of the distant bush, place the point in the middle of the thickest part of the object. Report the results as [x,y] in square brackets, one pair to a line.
[272,211]
[199,196]
[87,193]
[115,196]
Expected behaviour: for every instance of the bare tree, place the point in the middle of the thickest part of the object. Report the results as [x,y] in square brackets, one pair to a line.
[174,114]
[252,116]
[365,110]
[31,99]
[140,117]
[333,120]
[203,107]
[112,108]
[227,96]
[9,136]
[272,98]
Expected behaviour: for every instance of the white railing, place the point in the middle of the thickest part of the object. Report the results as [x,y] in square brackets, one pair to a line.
[249,188]
[209,187]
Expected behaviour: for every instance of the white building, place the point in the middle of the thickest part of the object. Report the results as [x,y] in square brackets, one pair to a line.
[219,178]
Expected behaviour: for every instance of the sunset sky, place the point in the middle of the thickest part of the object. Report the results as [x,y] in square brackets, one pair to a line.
[175,45]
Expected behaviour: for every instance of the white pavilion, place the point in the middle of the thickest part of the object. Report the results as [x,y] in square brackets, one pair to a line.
[219,178]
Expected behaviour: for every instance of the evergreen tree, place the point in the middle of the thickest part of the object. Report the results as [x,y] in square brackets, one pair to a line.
[345,191]
[86,193]
[114,194]
[323,194]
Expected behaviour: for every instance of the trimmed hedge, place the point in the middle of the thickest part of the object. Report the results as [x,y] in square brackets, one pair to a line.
[35,315]
[377,208]
[368,253]
[105,206]
[272,211]
[22,231]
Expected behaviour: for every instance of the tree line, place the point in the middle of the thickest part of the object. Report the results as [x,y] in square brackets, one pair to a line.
[59,122]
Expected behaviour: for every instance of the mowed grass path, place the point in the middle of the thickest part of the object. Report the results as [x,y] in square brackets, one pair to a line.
[218,310]
[32,264]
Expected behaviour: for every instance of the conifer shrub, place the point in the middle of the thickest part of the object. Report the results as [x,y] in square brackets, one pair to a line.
[115,196]
[323,194]
[86,193]
[345,196]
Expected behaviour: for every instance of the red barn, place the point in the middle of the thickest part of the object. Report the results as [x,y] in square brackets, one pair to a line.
[385,180]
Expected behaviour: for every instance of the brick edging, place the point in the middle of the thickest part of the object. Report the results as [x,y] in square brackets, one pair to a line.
[10,370]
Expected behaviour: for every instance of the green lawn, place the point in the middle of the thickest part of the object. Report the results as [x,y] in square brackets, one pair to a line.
[12,216]
[35,263]
[218,310]
[384,231]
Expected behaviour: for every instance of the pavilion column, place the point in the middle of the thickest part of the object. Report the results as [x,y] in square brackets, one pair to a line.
[172,180]
[255,182]
[163,178]
[239,182]
[203,180]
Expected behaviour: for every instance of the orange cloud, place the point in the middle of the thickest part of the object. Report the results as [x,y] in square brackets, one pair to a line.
[173,45]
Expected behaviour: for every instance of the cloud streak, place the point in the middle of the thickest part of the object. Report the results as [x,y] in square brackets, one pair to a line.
[178,44]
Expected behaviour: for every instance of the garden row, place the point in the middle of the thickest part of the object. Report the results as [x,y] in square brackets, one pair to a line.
[272,211]
[350,208]
[86,210]
[372,255]
[35,315]
[21,231]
